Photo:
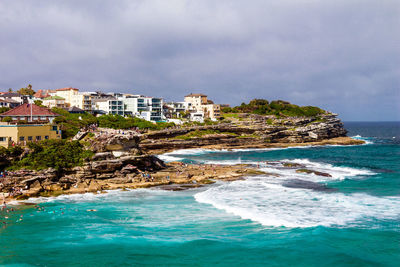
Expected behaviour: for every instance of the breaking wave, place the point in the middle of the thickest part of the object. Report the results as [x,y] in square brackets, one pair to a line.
[284,197]
[272,204]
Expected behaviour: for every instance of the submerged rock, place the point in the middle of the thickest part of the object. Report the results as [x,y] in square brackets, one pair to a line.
[313,172]
[298,183]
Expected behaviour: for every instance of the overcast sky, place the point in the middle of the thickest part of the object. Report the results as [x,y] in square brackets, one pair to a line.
[341,55]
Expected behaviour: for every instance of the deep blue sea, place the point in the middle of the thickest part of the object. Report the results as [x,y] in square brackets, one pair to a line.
[282,218]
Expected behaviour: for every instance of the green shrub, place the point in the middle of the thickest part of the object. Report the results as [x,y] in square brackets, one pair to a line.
[277,108]
[58,154]
[4,109]
[7,119]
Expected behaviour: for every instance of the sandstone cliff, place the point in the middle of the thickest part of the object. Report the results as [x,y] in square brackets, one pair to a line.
[246,130]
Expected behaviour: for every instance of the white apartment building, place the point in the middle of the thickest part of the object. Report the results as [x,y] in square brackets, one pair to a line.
[148,108]
[110,106]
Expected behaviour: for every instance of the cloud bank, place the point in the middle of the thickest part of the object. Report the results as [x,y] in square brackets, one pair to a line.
[341,55]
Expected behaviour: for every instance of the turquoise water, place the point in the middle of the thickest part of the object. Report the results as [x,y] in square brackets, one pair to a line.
[282,219]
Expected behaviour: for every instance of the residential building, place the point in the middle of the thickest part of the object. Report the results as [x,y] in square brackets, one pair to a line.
[54,102]
[110,106]
[8,103]
[22,134]
[43,93]
[74,98]
[197,116]
[196,100]
[67,93]
[14,96]
[83,101]
[148,108]
[212,111]
[30,113]
[200,103]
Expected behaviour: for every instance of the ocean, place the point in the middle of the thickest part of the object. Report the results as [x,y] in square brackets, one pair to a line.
[283,218]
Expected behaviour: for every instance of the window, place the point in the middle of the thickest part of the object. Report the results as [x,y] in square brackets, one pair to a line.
[38,138]
[35,118]
[43,118]
[14,118]
[46,137]
[3,139]
[21,138]
[54,128]
[30,138]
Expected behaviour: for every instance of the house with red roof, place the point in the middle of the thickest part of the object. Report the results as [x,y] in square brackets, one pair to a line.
[30,113]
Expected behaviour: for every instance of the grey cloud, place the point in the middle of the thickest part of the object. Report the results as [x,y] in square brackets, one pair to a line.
[341,55]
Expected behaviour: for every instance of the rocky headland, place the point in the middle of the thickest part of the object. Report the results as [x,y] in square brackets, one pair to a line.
[126,159]
[251,131]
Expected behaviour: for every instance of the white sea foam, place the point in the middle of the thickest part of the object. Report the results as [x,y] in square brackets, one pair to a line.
[271,204]
[335,171]
[179,154]
[117,194]
[264,199]
[367,140]
[168,158]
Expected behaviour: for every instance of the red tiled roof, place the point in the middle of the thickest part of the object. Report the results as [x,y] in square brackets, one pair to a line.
[43,93]
[25,110]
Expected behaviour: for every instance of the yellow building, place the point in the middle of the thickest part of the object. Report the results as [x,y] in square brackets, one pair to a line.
[200,103]
[197,100]
[23,134]
[212,111]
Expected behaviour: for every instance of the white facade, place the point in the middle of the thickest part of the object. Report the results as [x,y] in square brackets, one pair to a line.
[148,108]
[110,106]
[53,101]
[197,116]
[177,107]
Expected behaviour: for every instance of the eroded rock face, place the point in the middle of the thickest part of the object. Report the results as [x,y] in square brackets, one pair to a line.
[251,131]
[79,178]
[109,140]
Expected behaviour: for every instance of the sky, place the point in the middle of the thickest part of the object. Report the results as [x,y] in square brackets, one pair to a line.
[341,55]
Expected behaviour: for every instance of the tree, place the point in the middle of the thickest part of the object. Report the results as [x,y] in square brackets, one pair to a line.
[27,90]
[38,103]
[7,119]
[10,90]
[58,154]
[4,109]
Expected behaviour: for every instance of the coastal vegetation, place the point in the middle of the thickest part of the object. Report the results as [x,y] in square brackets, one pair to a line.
[201,133]
[26,90]
[72,123]
[57,154]
[277,108]
[4,109]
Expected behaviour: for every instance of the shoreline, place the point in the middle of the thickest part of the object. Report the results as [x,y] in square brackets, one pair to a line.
[176,176]
[337,141]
